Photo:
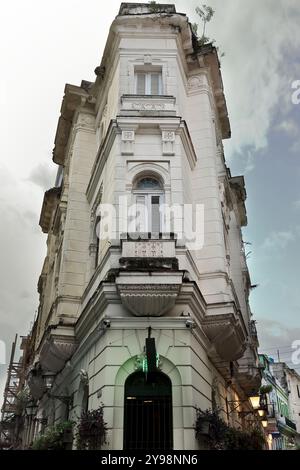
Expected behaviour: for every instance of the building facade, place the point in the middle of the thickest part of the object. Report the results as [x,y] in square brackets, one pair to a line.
[139,312]
[289,380]
[282,431]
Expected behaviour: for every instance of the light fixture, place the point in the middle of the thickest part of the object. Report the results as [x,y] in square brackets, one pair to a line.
[31,408]
[261,413]
[48,379]
[264,423]
[255,401]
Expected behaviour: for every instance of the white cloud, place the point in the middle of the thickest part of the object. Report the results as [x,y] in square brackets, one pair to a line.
[276,336]
[43,176]
[289,126]
[278,240]
[257,38]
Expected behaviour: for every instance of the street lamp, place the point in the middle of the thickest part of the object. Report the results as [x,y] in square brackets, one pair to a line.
[261,413]
[255,401]
[48,381]
[264,423]
[31,408]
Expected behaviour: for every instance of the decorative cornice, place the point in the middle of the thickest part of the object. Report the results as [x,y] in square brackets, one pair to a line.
[74,98]
[51,199]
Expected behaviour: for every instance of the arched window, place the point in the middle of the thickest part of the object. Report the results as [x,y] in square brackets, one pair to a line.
[148,197]
[148,182]
[148,422]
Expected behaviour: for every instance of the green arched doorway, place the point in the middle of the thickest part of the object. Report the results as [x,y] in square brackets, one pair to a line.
[148,422]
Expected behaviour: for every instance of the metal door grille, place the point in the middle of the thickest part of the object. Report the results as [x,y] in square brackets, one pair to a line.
[148,423]
[148,420]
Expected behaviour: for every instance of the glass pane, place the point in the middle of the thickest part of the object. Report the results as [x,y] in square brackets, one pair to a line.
[141,83]
[155,215]
[148,183]
[155,84]
[141,217]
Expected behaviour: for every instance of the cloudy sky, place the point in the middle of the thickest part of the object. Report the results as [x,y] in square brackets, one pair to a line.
[43,45]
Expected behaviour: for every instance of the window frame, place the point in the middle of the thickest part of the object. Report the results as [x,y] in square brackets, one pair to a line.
[147,194]
[148,82]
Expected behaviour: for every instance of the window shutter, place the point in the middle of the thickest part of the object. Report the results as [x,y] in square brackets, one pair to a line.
[141,84]
[155,84]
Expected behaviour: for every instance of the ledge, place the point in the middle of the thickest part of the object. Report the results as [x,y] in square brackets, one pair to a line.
[50,201]
[145,8]
[71,101]
[145,105]
[237,184]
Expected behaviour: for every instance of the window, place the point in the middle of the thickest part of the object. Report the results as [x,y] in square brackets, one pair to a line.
[148,83]
[148,194]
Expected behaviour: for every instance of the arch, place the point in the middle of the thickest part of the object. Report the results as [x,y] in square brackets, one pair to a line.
[147,181]
[128,368]
[148,413]
[156,170]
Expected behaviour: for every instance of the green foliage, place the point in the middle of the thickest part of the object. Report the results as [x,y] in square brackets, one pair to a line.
[91,430]
[154,7]
[220,436]
[205,13]
[265,389]
[53,439]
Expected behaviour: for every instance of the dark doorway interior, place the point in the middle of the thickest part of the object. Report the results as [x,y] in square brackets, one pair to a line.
[148,412]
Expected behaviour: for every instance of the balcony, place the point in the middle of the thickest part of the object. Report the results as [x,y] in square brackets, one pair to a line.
[224,326]
[148,105]
[149,279]
[248,373]
[57,347]
[290,424]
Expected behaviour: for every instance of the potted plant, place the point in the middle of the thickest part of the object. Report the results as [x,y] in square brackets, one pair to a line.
[217,435]
[91,430]
[58,437]
[264,389]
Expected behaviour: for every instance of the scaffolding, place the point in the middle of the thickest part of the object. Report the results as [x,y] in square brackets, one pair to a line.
[14,384]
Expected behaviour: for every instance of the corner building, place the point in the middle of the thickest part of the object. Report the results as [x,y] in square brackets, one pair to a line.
[148,131]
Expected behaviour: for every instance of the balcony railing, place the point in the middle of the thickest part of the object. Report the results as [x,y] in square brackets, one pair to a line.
[290,423]
[143,105]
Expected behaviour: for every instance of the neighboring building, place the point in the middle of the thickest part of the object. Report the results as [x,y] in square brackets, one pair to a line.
[150,131]
[289,380]
[282,431]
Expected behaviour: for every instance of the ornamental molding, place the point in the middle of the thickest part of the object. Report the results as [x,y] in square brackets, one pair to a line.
[226,333]
[149,295]
[198,84]
[57,349]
